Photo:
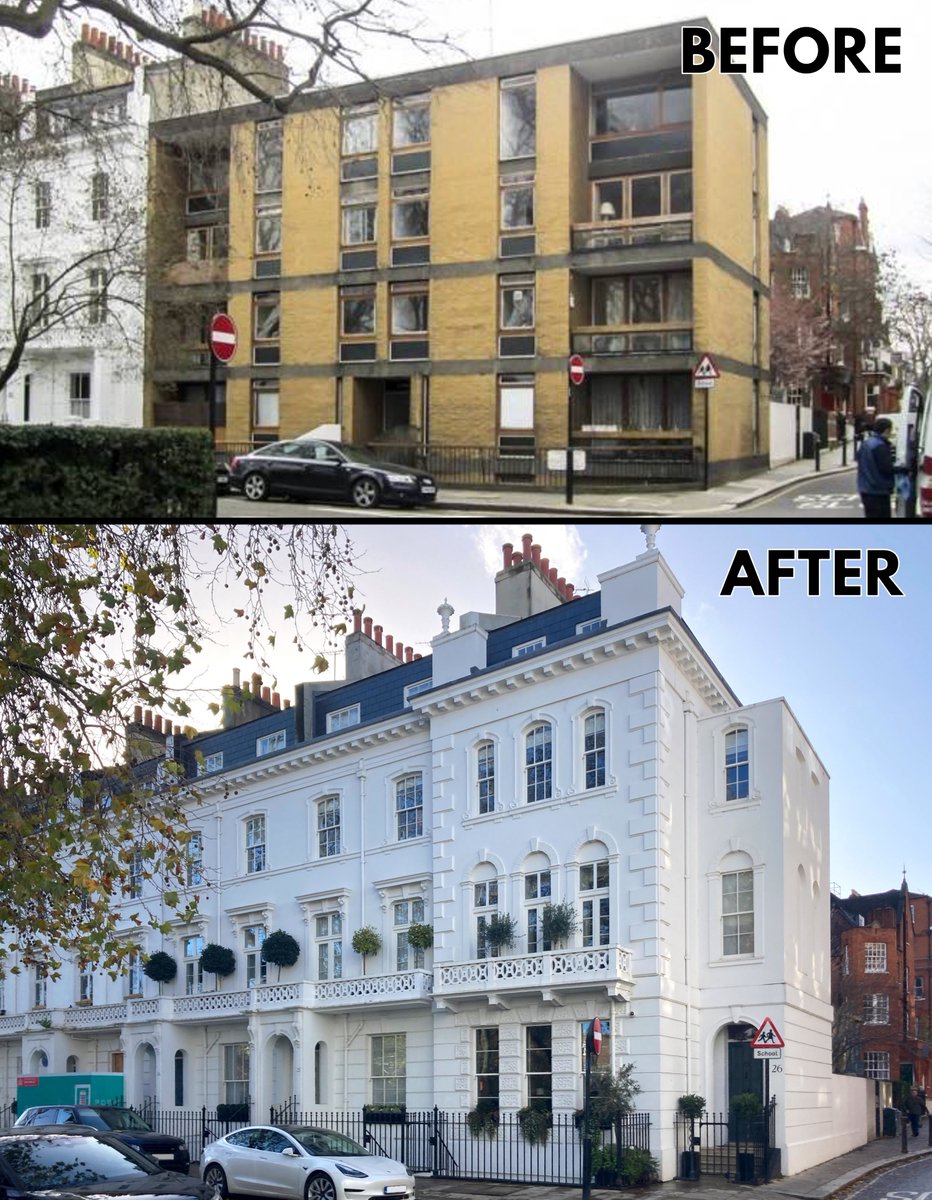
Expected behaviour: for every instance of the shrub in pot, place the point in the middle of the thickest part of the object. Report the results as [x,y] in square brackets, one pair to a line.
[365,942]
[218,960]
[160,967]
[280,949]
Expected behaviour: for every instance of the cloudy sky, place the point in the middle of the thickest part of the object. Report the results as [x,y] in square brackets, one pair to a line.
[854,670]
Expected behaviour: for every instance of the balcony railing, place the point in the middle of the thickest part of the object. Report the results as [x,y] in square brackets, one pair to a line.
[601,342]
[95,1016]
[615,235]
[605,965]
[375,990]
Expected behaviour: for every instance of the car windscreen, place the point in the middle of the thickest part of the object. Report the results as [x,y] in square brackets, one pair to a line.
[325,1141]
[115,1118]
[61,1160]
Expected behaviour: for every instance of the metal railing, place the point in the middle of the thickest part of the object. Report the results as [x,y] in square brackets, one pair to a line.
[443,1144]
[739,1148]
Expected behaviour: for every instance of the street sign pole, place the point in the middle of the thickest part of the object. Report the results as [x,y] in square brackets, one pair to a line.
[587,1132]
[212,396]
[577,376]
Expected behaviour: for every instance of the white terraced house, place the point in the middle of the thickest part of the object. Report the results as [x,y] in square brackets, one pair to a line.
[566,750]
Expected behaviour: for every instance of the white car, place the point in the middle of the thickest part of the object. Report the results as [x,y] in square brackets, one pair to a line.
[302,1162]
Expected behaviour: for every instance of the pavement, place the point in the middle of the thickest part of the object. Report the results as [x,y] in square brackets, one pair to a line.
[650,502]
[838,1175]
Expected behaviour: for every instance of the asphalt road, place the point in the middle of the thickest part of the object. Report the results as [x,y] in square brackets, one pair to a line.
[830,498]
[912,1181]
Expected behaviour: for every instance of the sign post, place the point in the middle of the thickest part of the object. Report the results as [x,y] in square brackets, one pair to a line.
[704,376]
[768,1045]
[223,340]
[577,370]
[593,1046]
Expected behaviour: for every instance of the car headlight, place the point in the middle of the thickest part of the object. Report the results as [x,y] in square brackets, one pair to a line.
[392,478]
[351,1171]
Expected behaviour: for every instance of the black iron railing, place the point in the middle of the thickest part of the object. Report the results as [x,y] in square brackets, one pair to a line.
[739,1148]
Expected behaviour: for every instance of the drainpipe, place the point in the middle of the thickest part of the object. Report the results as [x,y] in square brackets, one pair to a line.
[688,711]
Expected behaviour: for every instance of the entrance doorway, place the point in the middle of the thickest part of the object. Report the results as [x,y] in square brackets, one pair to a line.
[745,1072]
[382,410]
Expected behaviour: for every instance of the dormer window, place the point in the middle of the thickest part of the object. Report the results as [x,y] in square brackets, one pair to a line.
[343,718]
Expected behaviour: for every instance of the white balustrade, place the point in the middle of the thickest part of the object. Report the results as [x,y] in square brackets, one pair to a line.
[211,1002]
[603,964]
[407,985]
[94,1015]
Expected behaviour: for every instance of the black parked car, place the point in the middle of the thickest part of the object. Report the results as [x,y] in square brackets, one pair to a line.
[169,1151]
[51,1162]
[312,469]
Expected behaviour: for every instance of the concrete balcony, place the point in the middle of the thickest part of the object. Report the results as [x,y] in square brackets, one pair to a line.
[599,341]
[383,991]
[547,976]
[619,235]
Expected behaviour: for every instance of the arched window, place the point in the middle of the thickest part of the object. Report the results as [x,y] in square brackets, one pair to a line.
[539,762]
[737,900]
[594,748]
[71,1064]
[737,764]
[537,895]
[409,806]
[484,905]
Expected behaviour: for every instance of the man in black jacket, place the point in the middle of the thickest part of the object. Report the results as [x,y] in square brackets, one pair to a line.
[875,471]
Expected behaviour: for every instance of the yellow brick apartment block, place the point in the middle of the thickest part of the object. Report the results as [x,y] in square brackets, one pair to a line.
[411,264]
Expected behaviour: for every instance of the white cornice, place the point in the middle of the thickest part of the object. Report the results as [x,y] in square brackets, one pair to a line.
[662,630]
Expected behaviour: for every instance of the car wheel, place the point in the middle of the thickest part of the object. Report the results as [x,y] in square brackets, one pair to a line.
[320,1187]
[215,1178]
[365,492]
[255,486]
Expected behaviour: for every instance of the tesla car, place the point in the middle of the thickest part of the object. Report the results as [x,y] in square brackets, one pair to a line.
[56,1162]
[301,1161]
[312,469]
[167,1150]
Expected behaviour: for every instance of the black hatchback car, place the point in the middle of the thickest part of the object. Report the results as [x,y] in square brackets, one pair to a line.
[55,1162]
[311,469]
[168,1151]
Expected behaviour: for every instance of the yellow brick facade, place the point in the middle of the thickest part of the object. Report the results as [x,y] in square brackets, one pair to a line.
[453,392]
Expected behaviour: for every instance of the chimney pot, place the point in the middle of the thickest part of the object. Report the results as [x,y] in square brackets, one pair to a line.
[409,654]
[236,677]
[389,643]
[367,627]
[111,43]
[399,651]
[287,704]
[137,714]
[545,566]
[264,45]
[416,657]
[85,32]
[561,585]
[158,723]
[276,700]
[526,542]
[119,49]
[507,551]
[168,729]
[147,719]
[553,575]
[535,554]
[377,631]
[515,558]
[267,695]
[256,683]
[570,591]
[357,620]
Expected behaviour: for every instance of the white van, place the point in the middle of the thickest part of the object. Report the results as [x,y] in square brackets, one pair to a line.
[923,460]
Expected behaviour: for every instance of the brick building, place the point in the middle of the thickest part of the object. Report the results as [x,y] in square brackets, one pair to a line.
[826,257]
[881,959]
[415,259]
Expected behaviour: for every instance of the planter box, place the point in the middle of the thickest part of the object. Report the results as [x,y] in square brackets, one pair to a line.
[377,1116]
[689,1164]
[745,1169]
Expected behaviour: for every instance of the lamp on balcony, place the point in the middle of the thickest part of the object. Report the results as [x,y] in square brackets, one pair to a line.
[607,211]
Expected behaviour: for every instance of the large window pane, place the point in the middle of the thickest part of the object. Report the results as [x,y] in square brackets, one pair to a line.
[360,132]
[411,121]
[269,156]
[646,196]
[410,218]
[627,114]
[518,117]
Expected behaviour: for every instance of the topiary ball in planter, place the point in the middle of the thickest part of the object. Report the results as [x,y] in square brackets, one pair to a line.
[420,936]
[280,949]
[366,941]
[160,967]
[218,960]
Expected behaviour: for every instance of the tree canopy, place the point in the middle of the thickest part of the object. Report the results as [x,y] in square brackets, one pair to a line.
[96,620]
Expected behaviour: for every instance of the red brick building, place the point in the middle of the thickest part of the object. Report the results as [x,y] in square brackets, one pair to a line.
[881,961]
[825,260]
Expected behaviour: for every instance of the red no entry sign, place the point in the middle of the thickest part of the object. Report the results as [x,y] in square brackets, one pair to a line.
[577,369]
[223,337]
[596,1036]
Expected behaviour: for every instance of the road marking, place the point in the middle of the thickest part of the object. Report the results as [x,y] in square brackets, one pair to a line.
[825,500]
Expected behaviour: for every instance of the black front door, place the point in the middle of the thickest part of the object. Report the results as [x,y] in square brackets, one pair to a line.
[745,1072]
